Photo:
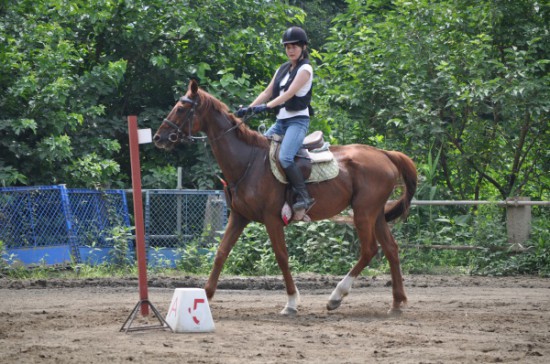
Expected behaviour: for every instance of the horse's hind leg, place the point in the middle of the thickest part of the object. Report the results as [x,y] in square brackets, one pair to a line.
[391,251]
[369,248]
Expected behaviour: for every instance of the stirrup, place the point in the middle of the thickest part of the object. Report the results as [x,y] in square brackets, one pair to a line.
[304,204]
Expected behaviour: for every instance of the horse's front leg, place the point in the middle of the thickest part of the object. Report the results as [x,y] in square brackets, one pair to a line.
[275,230]
[233,230]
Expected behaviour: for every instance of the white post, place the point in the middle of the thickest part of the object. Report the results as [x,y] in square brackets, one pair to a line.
[518,221]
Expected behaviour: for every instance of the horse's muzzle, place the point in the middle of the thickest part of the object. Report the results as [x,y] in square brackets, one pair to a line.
[164,142]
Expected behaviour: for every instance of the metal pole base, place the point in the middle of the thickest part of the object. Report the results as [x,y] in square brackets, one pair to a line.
[127,326]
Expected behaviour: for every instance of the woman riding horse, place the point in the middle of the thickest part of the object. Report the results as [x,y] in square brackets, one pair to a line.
[289,93]
[366,179]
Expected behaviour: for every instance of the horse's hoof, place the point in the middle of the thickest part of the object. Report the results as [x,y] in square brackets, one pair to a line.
[395,312]
[289,311]
[333,304]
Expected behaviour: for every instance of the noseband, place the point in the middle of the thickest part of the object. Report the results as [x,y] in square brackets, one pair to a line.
[175,137]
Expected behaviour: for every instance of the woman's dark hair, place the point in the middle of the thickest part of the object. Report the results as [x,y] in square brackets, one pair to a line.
[305,52]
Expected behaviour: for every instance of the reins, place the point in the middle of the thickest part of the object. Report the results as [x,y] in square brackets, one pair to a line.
[174,137]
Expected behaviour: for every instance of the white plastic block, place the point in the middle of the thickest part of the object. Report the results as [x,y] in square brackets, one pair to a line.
[189,311]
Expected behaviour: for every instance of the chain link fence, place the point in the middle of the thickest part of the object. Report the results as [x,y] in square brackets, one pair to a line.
[99,218]
[175,218]
[56,225]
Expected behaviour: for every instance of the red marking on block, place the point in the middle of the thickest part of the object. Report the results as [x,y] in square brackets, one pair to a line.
[195,304]
[174,308]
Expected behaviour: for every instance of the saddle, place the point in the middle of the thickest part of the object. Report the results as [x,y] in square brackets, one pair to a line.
[314,150]
[316,163]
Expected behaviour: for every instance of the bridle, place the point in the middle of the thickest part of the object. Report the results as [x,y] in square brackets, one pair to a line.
[175,136]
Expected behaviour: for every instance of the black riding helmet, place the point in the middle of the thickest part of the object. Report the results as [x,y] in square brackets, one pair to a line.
[295,35]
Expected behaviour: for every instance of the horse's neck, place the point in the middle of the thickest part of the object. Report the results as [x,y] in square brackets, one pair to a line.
[234,156]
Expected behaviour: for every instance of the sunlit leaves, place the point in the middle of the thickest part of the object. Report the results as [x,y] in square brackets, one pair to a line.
[18,126]
[55,148]
[94,170]
[471,78]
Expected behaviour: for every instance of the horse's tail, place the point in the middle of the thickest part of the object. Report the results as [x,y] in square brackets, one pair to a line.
[407,170]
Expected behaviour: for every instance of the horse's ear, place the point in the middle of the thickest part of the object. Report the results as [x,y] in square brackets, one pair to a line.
[193,86]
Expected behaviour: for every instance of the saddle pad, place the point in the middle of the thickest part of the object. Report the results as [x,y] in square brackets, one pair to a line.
[320,171]
[320,157]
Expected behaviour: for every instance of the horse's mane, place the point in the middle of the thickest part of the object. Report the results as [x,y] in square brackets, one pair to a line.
[249,136]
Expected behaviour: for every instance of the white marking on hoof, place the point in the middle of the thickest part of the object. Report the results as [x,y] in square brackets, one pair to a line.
[291,307]
[342,290]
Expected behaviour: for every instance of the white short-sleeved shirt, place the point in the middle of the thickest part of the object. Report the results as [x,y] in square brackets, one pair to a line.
[284,113]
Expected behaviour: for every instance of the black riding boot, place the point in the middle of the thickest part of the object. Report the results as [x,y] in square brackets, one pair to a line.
[296,179]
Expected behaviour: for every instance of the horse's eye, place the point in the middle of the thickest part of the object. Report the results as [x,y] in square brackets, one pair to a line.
[180,110]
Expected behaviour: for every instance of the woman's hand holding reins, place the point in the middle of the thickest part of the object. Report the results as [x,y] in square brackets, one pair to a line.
[251,110]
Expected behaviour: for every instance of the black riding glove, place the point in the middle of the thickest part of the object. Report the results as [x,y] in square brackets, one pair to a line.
[252,110]
[241,112]
[259,108]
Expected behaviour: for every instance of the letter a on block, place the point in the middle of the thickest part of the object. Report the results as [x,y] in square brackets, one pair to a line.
[189,311]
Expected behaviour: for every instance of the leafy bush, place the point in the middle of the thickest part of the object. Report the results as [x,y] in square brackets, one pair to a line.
[252,255]
[535,259]
[119,255]
[320,247]
[3,263]
[329,248]
[323,247]
[195,259]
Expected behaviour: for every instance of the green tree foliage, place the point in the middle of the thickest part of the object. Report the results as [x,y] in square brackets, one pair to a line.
[461,86]
[466,80]
[319,18]
[49,95]
[71,70]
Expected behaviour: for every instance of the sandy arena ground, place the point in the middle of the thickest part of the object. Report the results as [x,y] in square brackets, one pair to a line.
[448,320]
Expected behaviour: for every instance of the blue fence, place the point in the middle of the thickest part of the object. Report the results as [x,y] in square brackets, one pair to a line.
[55,225]
[51,225]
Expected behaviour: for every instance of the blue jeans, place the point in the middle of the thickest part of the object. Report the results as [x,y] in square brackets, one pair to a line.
[294,131]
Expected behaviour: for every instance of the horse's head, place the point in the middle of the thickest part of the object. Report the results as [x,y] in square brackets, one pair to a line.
[181,123]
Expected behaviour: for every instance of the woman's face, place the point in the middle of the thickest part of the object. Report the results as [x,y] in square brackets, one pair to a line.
[293,51]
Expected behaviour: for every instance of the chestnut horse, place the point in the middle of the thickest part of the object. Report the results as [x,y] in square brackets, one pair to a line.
[367,177]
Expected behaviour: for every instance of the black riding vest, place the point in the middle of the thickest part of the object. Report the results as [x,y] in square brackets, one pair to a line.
[296,103]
